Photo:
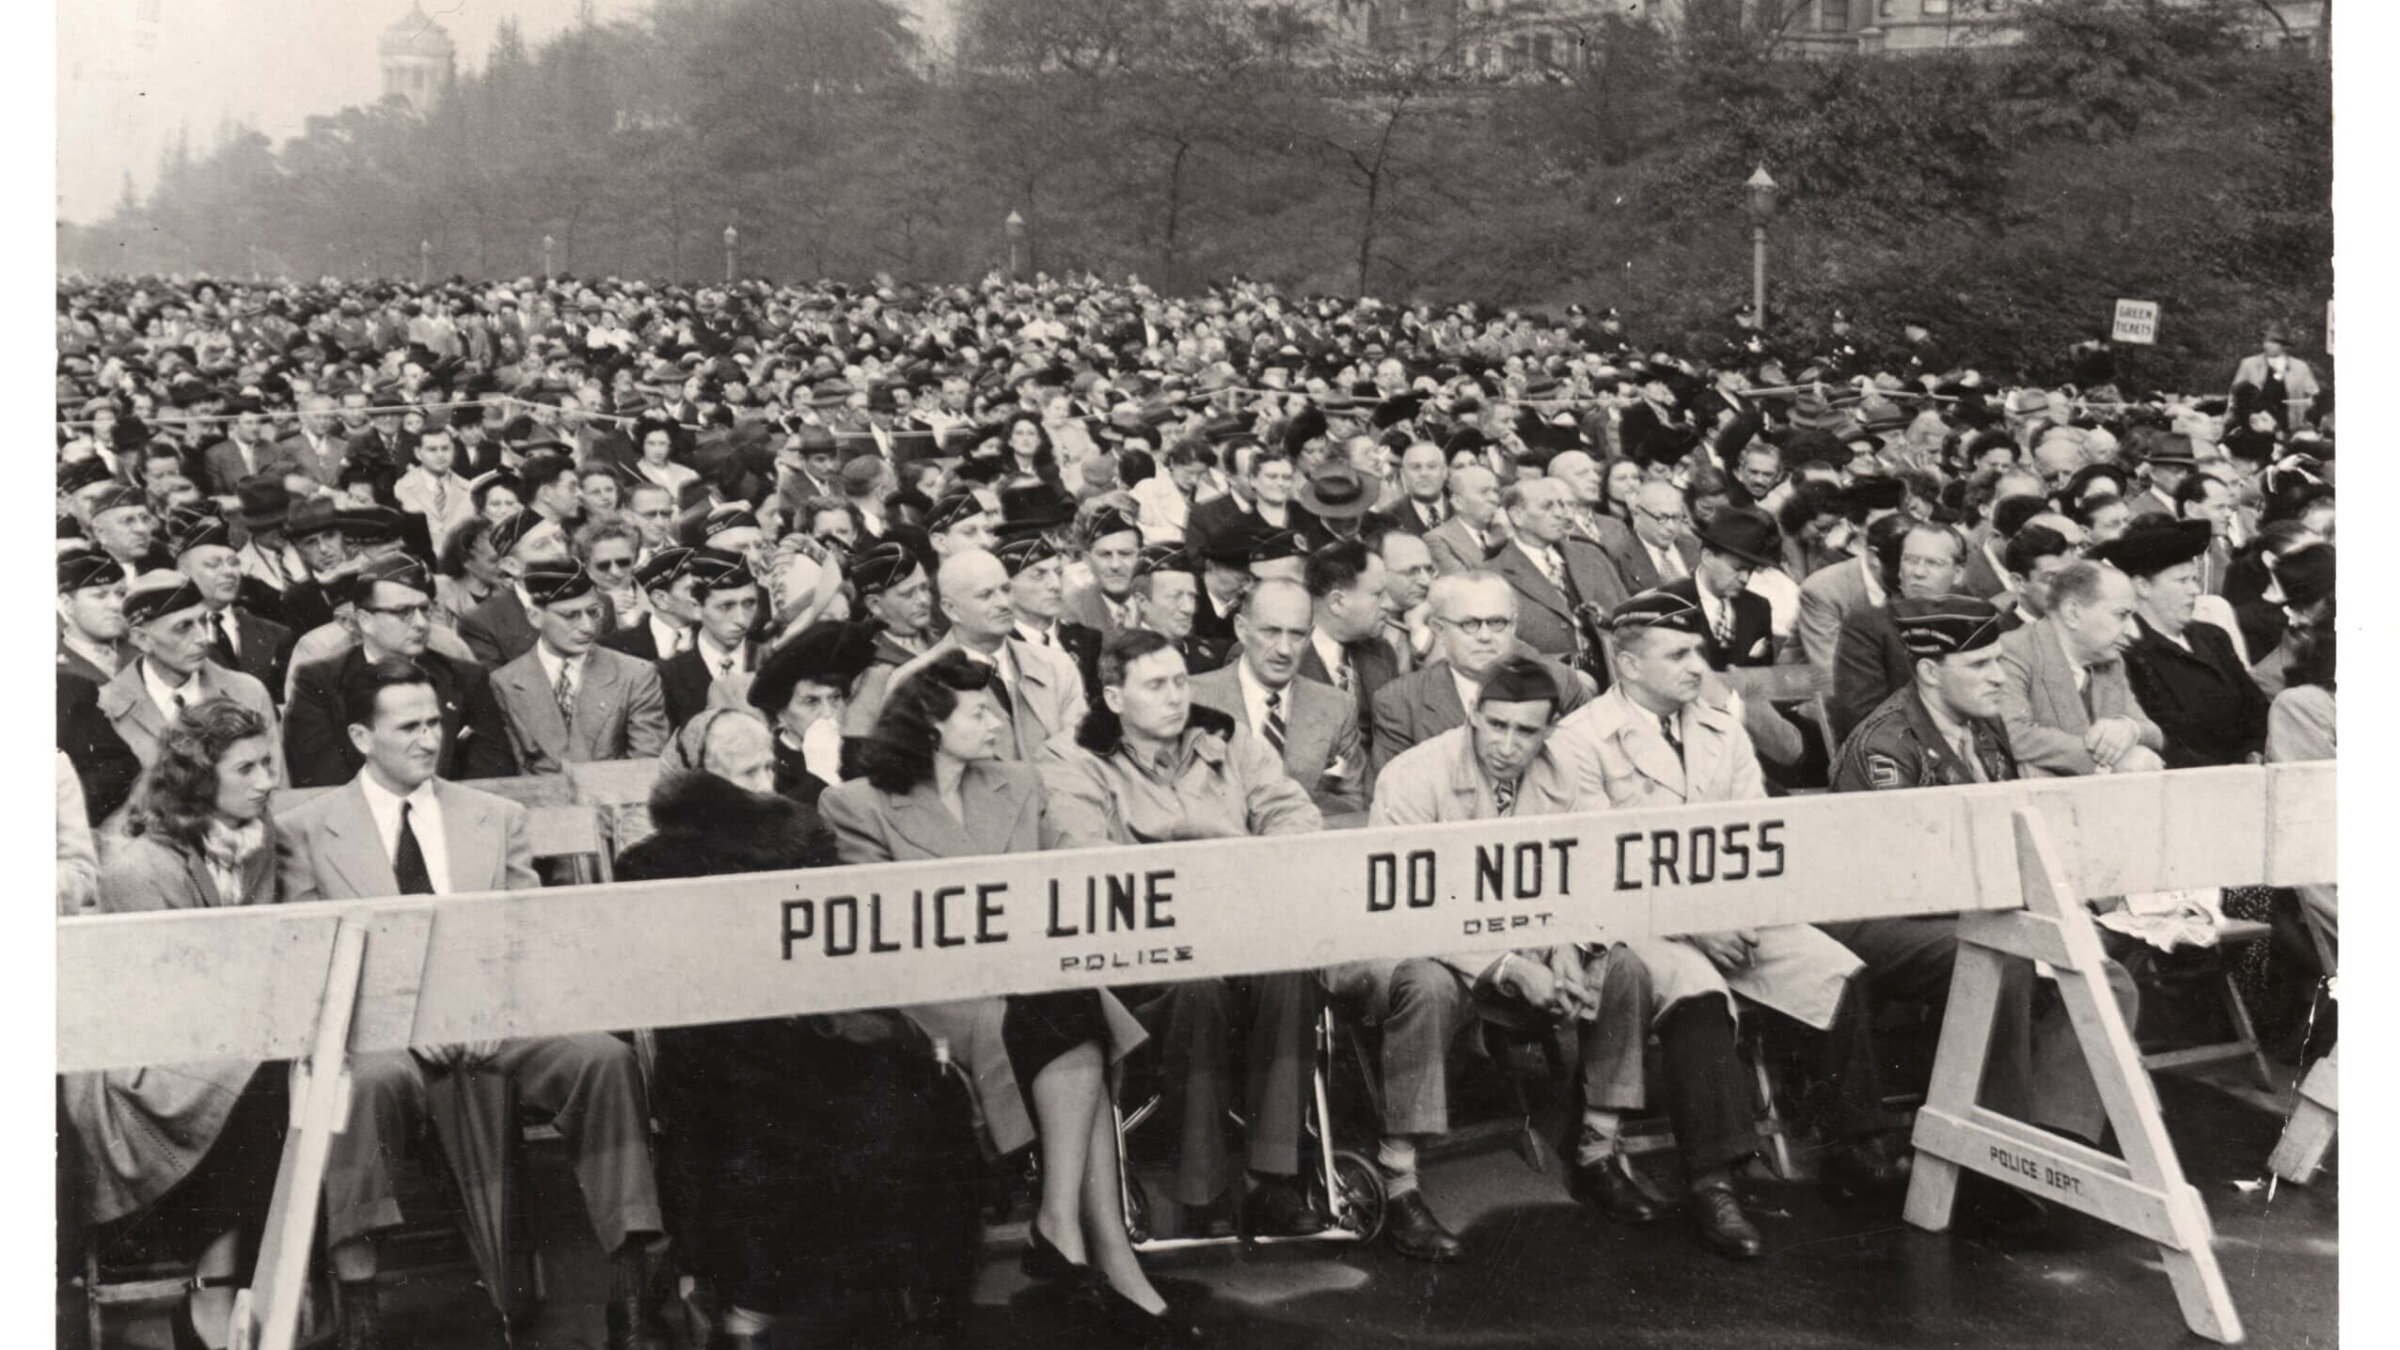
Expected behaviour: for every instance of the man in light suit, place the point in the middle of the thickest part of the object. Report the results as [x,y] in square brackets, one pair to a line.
[243,453]
[167,619]
[1838,589]
[1554,575]
[1497,766]
[1653,740]
[1108,606]
[238,639]
[1424,474]
[315,448]
[569,700]
[1309,724]
[501,629]
[2270,369]
[397,829]
[1040,690]
[1474,620]
[1464,541]
[2069,706]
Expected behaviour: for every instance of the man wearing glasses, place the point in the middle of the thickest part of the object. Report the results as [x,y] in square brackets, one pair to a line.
[1474,620]
[391,611]
[1664,548]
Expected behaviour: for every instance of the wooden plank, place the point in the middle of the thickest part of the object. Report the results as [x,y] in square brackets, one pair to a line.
[2303,824]
[613,782]
[2046,1167]
[683,952]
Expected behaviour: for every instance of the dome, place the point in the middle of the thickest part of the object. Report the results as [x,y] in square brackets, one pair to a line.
[417,35]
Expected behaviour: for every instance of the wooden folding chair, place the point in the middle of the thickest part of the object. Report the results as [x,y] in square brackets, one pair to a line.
[572,831]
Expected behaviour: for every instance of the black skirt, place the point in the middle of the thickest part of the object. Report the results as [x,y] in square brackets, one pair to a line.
[1038,1028]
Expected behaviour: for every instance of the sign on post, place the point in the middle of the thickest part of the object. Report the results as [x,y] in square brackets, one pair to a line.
[2137,321]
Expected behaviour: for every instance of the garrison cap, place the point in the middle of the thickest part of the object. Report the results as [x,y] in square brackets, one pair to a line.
[118,498]
[513,531]
[1278,545]
[1937,626]
[1520,679]
[82,569]
[555,583]
[157,594]
[399,569]
[1030,551]
[1109,520]
[952,511]
[663,568]
[880,567]
[75,477]
[190,527]
[1155,558]
[1659,610]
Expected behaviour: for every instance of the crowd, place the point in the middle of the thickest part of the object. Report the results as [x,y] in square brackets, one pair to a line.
[896,572]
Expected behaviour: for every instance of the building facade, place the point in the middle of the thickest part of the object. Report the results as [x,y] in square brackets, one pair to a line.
[419,60]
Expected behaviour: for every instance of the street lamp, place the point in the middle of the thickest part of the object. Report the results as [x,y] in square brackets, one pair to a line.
[1016,246]
[1759,200]
[733,241]
[549,258]
[424,261]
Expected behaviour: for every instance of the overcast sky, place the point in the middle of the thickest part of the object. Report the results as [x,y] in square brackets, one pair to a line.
[130,72]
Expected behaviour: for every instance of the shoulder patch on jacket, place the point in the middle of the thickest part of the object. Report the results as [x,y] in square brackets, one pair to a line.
[1883,771]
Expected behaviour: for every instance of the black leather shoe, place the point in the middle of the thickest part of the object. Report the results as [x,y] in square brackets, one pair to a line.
[1724,1229]
[1044,1263]
[632,1323]
[1610,1188]
[1168,1330]
[1279,1207]
[1870,1163]
[1417,1234]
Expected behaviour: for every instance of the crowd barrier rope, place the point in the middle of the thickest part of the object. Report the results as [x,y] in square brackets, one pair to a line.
[320,982]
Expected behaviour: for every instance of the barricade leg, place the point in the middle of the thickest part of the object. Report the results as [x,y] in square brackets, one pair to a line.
[266,1316]
[2145,1191]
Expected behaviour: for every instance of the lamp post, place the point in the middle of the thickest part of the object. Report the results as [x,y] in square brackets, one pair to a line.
[1016,246]
[424,261]
[733,243]
[1759,200]
[549,258]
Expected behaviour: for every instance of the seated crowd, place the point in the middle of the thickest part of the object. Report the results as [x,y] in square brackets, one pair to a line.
[896,573]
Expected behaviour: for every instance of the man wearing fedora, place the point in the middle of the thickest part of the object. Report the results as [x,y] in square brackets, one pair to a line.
[263,506]
[2169,462]
[1737,541]
[1337,499]
[1558,578]
[2186,674]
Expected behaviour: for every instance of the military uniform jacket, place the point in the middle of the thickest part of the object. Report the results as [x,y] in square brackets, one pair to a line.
[1898,746]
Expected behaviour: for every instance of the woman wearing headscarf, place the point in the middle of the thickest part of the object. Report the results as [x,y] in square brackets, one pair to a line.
[189,1149]
[936,787]
[803,688]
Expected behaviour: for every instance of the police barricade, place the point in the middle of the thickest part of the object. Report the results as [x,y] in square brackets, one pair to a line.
[323,981]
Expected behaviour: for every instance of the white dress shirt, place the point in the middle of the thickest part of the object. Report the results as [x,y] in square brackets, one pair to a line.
[714,657]
[1254,703]
[553,663]
[424,821]
[1038,636]
[163,693]
[1330,652]
[1668,561]
[1469,691]
[666,637]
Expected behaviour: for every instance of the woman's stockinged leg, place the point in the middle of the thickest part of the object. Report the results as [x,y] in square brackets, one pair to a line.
[1066,1093]
[1104,1214]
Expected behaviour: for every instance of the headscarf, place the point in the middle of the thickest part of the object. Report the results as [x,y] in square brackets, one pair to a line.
[685,752]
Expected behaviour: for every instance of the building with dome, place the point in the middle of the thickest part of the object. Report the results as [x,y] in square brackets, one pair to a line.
[418,59]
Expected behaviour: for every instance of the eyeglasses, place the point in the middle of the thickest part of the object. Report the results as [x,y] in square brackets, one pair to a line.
[612,565]
[404,613]
[1495,625]
[1675,518]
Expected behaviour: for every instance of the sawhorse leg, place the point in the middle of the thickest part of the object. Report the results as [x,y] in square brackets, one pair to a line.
[266,1316]
[2145,1191]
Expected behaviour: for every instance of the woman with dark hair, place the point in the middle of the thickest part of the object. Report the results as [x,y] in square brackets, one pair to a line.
[470,570]
[499,497]
[1030,454]
[189,1149]
[1620,483]
[935,787]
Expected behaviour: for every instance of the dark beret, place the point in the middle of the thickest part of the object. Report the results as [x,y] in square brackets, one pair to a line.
[2152,544]
[2306,575]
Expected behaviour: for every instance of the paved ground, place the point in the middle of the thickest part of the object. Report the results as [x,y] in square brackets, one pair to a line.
[1547,1273]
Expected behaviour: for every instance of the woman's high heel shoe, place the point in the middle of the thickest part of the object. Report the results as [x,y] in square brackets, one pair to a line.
[1044,1263]
[1169,1329]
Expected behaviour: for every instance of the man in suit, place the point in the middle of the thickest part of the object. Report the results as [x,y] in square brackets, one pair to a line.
[501,629]
[399,829]
[1835,591]
[264,510]
[2068,704]
[1309,725]
[1498,766]
[315,449]
[242,453]
[667,628]
[1987,572]
[725,607]
[568,700]
[2275,381]
[1166,581]
[1736,542]
[1108,605]
[1345,647]
[1214,520]
[237,640]
[1661,548]
[1041,691]
[1869,659]
[1555,575]
[1474,621]
[1424,477]
[167,619]
[391,611]
[1037,594]
[1464,541]
[91,615]
[314,527]
[1654,740]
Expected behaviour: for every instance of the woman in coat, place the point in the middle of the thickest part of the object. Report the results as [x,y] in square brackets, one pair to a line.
[936,787]
[190,1148]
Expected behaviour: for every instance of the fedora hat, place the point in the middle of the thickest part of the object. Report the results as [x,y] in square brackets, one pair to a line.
[1334,491]
[1746,533]
[264,501]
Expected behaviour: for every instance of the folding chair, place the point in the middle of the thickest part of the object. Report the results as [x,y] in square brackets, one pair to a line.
[2244,1045]
[620,788]
[571,831]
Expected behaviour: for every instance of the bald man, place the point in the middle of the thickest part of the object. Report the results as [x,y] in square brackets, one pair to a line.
[1475,530]
[1660,547]
[1040,690]
[1424,474]
[1585,519]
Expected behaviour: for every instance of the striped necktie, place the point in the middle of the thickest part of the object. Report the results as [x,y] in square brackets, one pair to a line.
[1275,727]
[1504,795]
[566,695]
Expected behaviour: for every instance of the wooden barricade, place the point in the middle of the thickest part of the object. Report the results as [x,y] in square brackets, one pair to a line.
[2014,859]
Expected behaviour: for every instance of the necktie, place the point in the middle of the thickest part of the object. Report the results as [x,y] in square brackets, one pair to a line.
[1341,677]
[220,646]
[1275,729]
[408,860]
[1666,725]
[1670,564]
[1552,569]
[725,666]
[683,641]
[566,695]
[182,702]
[2086,692]
[1504,795]
[1043,637]
[1722,626]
